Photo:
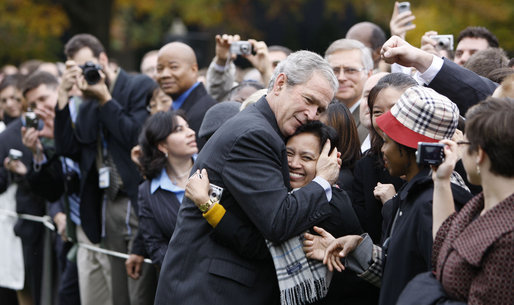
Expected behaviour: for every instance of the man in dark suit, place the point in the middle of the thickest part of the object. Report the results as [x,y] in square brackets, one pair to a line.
[177,74]
[462,86]
[107,125]
[247,158]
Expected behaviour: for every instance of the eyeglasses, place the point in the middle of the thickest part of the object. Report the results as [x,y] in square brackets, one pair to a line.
[347,70]
[463,143]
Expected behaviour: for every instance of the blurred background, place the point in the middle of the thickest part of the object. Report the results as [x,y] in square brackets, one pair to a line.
[38,29]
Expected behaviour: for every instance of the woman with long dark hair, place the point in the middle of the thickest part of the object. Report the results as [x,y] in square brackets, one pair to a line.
[168,148]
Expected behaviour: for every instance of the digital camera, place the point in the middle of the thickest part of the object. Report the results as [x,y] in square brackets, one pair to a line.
[15,154]
[91,72]
[403,7]
[31,120]
[215,193]
[241,48]
[430,153]
[444,42]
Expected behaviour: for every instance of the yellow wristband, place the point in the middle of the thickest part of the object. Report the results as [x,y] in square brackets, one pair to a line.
[214,214]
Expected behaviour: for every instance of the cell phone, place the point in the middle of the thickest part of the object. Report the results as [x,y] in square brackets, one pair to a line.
[403,7]
[444,42]
[15,154]
[430,153]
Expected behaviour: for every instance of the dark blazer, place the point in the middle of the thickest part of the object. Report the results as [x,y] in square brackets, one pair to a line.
[408,249]
[367,173]
[121,119]
[462,86]
[27,202]
[157,218]
[195,106]
[246,157]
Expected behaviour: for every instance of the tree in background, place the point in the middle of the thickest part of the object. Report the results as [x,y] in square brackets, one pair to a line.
[128,28]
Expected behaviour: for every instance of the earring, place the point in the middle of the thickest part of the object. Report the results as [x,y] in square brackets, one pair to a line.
[166,154]
[478,169]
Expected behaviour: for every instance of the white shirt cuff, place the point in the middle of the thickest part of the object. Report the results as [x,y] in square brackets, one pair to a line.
[431,72]
[325,185]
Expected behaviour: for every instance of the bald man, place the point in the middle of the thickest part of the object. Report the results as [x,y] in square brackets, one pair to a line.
[371,35]
[177,73]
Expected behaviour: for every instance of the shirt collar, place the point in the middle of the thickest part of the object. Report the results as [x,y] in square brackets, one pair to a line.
[163,181]
[180,100]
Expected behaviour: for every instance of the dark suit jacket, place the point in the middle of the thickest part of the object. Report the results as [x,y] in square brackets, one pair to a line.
[27,202]
[462,86]
[121,119]
[157,218]
[361,130]
[247,158]
[195,106]
[367,173]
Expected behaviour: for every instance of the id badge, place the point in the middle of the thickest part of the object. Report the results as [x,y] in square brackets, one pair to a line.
[104,177]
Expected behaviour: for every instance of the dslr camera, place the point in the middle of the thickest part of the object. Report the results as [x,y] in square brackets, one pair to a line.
[444,42]
[241,48]
[430,153]
[31,119]
[91,72]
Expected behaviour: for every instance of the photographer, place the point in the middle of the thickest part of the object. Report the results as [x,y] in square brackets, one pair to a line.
[39,90]
[106,128]
[221,72]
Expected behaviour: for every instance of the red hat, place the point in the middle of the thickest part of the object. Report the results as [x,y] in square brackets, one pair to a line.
[420,115]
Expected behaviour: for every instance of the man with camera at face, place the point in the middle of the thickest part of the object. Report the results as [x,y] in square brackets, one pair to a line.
[24,143]
[107,125]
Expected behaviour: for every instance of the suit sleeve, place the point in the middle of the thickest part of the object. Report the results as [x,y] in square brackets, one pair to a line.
[462,86]
[253,175]
[125,125]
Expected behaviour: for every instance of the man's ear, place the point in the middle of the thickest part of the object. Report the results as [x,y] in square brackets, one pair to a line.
[280,83]
[103,60]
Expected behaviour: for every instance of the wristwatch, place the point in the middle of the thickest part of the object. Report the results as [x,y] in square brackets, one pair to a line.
[206,206]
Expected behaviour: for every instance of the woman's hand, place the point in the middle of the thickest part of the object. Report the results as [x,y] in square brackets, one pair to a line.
[197,188]
[340,248]
[451,156]
[384,192]
[314,246]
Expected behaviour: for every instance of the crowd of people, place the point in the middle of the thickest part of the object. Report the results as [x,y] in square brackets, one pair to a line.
[378,173]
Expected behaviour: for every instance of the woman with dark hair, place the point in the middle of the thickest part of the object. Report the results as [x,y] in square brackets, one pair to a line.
[340,118]
[168,148]
[303,149]
[473,248]
[420,115]
[10,98]
[373,185]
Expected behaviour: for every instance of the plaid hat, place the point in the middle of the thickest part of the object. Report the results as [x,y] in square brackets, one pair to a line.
[216,116]
[420,115]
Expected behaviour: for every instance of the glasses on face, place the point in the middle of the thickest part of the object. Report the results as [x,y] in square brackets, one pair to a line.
[463,143]
[350,71]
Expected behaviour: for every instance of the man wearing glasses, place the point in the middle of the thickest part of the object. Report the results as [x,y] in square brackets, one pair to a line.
[352,64]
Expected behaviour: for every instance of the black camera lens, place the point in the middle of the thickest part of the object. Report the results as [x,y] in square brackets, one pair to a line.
[91,72]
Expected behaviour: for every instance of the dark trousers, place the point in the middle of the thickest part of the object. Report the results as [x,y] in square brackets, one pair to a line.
[68,292]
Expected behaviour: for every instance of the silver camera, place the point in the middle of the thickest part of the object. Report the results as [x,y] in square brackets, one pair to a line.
[444,42]
[15,154]
[403,7]
[215,193]
[430,153]
[241,48]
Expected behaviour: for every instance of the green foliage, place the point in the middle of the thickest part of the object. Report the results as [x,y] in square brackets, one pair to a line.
[34,28]
[30,29]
